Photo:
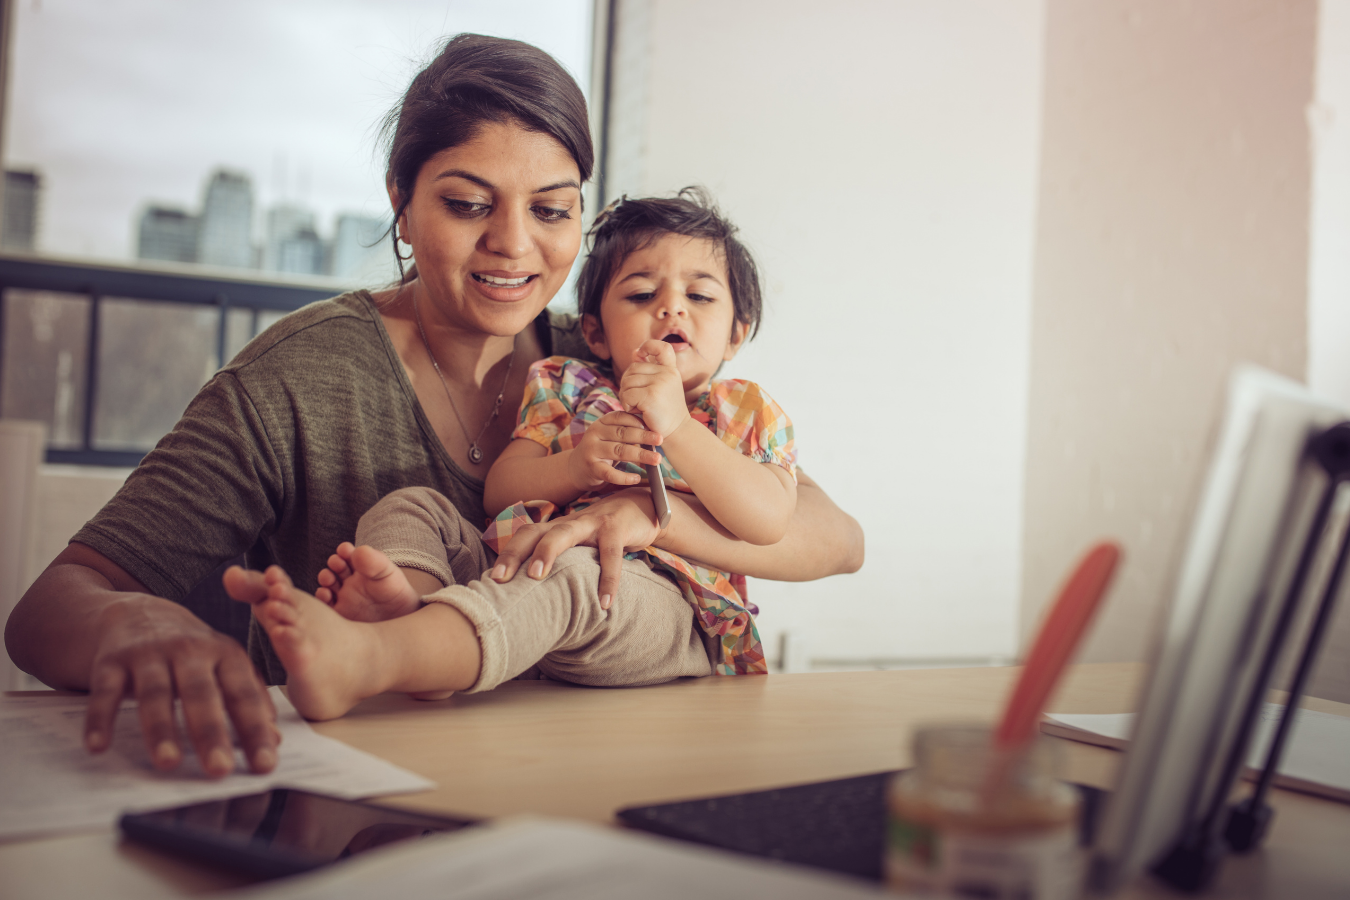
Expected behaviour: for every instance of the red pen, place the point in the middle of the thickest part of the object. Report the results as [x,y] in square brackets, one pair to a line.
[1060,634]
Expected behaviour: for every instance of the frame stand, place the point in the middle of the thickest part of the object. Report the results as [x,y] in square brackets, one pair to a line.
[1194,860]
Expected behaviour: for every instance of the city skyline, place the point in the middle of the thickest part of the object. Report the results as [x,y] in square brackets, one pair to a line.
[116,115]
[226,229]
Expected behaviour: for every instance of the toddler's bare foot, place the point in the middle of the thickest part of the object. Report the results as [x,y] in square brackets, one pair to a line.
[362,584]
[331,578]
[331,663]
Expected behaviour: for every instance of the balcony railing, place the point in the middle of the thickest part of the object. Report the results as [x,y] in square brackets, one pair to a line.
[108,355]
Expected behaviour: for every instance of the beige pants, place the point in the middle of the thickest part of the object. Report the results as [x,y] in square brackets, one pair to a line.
[647,636]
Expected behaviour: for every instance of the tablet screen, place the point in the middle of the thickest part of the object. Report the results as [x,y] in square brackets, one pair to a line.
[281,831]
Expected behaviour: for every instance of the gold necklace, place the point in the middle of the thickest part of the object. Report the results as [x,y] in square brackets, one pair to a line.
[475,452]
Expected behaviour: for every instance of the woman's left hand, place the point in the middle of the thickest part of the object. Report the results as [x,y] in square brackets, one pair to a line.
[614,524]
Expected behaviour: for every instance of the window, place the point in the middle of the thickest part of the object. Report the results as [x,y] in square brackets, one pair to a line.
[225,146]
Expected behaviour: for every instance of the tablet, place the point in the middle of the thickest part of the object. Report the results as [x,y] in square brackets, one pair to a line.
[838,825]
[280,832]
[1266,498]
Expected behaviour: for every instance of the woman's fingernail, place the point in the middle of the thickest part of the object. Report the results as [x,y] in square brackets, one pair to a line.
[265,760]
[537,569]
[219,762]
[605,601]
[94,740]
[499,573]
[166,754]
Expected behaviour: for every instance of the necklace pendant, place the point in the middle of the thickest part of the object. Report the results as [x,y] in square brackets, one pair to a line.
[475,454]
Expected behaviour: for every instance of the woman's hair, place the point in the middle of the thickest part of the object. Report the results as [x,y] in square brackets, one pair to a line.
[628,225]
[476,80]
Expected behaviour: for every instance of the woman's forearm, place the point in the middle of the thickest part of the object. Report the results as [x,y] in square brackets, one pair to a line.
[54,631]
[821,539]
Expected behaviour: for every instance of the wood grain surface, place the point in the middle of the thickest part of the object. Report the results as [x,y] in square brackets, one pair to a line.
[583,753]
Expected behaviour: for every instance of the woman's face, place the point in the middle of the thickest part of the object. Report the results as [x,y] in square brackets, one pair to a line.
[494,225]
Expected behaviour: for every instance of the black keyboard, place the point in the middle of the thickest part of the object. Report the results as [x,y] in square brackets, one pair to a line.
[836,825]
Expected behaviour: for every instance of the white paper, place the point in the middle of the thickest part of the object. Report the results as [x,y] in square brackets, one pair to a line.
[556,860]
[50,783]
[1316,754]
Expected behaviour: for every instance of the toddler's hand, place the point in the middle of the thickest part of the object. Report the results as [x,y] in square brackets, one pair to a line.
[652,386]
[613,438]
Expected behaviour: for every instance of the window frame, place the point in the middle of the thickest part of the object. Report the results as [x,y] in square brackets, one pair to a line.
[224,291]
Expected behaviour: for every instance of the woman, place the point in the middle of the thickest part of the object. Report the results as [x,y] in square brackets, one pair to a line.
[347,400]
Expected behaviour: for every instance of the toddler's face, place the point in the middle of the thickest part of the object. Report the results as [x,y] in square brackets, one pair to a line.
[675,290]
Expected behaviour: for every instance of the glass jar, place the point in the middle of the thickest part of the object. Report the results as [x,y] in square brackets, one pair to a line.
[967,821]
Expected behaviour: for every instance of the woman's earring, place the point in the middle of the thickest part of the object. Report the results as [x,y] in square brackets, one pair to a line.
[400,239]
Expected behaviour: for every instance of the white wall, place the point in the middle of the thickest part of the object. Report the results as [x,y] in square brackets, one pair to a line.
[881,161]
[1329,273]
[60,500]
[21,446]
[67,497]
[1329,267]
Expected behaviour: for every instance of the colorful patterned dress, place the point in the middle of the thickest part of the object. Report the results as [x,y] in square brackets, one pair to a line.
[564,396]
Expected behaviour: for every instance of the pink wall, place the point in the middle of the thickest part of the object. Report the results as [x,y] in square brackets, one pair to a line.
[1172,243]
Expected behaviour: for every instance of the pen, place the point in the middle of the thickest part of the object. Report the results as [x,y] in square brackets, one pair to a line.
[658,486]
[1059,637]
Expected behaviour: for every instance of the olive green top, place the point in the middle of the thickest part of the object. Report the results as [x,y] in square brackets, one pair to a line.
[280,454]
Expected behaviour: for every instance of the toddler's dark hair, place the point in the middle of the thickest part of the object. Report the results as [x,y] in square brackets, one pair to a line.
[630,225]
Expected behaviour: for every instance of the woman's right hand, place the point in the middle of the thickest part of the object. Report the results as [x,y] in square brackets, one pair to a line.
[615,437]
[613,525]
[153,650]
[86,624]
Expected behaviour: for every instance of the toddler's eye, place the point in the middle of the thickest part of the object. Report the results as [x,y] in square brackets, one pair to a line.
[640,297]
[700,298]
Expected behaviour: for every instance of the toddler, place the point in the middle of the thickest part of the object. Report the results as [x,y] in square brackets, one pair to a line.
[666,295]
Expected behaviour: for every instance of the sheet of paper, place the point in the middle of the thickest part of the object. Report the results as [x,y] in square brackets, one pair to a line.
[50,783]
[556,860]
[1316,756]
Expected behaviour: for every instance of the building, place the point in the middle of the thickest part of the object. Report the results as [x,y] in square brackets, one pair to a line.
[293,244]
[19,222]
[361,250]
[303,253]
[167,233]
[225,233]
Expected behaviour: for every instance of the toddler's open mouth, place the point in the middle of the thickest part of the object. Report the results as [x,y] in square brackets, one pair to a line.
[676,339]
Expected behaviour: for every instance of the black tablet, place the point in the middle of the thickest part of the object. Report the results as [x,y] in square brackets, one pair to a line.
[836,825]
[280,832]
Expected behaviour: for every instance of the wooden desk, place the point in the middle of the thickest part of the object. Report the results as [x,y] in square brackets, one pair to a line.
[584,753]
